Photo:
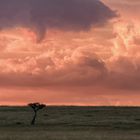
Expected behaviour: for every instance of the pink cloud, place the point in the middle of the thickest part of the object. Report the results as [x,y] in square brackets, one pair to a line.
[99,66]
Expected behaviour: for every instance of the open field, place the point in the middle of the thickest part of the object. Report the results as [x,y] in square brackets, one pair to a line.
[71,123]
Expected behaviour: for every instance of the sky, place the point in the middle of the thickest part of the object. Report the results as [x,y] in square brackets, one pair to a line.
[70,52]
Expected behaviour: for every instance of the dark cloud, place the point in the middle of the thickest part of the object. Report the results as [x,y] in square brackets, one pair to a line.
[62,14]
[125,74]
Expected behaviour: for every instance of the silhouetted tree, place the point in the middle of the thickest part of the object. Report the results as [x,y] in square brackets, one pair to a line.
[36,107]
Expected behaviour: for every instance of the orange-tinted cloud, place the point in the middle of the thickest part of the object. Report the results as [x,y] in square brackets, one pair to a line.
[98,66]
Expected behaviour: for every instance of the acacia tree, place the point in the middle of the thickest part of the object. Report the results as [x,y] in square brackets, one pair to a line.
[36,107]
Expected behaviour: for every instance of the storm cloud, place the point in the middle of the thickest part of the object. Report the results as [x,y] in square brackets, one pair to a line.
[87,54]
[62,14]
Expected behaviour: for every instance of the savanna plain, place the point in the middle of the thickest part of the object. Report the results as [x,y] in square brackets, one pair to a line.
[70,123]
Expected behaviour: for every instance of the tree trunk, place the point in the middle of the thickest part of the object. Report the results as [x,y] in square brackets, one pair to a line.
[34,118]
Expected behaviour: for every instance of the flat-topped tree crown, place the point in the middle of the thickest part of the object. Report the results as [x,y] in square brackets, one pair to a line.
[36,107]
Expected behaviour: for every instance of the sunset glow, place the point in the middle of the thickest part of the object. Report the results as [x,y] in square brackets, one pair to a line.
[61,60]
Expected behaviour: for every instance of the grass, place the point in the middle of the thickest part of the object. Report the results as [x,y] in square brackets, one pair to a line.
[71,123]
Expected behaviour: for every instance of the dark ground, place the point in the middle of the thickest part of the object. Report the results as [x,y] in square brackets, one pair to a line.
[71,123]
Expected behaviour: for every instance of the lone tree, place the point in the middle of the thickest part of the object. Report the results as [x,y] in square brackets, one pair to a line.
[36,107]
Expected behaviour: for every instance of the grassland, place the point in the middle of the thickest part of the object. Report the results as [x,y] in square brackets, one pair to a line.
[71,123]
